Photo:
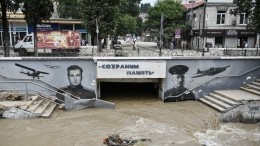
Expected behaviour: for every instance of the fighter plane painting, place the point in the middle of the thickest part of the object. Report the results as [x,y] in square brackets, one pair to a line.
[210,72]
[31,72]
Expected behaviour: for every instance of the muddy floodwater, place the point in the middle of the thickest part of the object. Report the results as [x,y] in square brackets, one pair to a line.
[188,123]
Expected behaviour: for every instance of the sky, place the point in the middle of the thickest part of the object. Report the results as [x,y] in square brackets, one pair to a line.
[152,2]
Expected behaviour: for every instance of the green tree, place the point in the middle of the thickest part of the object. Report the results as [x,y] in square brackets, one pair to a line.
[173,13]
[145,7]
[104,11]
[11,6]
[128,21]
[35,11]
[251,10]
[68,9]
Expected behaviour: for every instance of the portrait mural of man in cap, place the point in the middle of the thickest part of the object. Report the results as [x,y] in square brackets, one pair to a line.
[178,92]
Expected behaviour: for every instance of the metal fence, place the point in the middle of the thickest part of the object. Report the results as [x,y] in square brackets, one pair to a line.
[130,51]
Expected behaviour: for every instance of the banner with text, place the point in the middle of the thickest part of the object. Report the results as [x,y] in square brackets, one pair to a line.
[133,69]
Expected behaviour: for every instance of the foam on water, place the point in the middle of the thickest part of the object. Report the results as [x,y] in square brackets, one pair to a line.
[227,134]
[149,129]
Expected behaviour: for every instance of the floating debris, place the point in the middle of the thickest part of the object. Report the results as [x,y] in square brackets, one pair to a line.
[115,140]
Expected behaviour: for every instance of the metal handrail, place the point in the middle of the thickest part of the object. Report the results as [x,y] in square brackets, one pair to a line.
[69,95]
[189,90]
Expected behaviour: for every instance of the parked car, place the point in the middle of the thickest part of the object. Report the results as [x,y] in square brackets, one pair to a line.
[117,45]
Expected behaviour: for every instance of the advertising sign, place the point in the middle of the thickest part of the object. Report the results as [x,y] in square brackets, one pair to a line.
[58,39]
[133,69]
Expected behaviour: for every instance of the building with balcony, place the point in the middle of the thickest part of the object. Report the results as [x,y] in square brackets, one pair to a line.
[212,24]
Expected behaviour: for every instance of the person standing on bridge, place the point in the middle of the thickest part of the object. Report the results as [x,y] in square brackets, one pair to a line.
[178,93]
[75,88]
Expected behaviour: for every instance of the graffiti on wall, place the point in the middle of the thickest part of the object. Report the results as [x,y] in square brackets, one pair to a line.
[50,77]
[74,74]
[30,71]
[179,92]
[210,72]
[178,75]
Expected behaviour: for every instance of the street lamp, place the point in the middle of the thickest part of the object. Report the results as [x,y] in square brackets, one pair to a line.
[200,30]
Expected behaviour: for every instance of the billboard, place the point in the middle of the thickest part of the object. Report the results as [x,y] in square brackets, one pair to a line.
[58,39]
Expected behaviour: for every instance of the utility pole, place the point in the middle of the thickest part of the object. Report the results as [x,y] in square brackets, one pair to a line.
[199,33]
[97,31]
[192,36]
[161,33]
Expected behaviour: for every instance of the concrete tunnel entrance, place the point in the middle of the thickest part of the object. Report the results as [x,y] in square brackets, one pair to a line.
[129,90]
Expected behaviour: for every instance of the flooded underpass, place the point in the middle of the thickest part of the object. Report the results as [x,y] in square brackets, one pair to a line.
[129,91]
[139,114]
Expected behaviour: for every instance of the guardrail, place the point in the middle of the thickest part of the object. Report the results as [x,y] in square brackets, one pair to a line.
[62,92]
[129,50]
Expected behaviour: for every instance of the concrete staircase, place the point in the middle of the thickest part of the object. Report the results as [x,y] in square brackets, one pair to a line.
[225,100]
[41,107]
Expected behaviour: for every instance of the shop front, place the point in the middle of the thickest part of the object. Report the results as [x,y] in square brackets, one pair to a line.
[230,38]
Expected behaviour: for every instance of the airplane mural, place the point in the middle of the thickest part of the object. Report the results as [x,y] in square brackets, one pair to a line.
[31,72]
[210,72]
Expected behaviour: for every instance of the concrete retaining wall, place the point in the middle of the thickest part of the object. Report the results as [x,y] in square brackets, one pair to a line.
[215,73]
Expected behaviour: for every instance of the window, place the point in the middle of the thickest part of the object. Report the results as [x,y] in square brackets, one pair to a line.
[28,39]
[243,18]
[219,42]
[221,17]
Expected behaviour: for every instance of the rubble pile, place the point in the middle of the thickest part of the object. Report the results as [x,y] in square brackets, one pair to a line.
[20,106]
[11,96]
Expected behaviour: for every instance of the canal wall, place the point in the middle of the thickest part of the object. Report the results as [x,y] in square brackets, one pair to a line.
[188,77]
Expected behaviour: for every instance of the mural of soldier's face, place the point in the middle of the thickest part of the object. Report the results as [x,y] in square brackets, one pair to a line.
[178,80]
[75,77]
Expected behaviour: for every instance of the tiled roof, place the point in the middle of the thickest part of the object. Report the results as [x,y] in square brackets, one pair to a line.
[190,5]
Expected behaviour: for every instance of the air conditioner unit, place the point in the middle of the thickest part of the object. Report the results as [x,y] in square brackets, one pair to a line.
[234,22]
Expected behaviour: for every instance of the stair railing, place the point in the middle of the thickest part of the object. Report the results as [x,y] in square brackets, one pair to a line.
[66,94]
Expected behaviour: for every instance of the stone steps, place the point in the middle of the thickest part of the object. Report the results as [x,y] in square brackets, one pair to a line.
[49,110]
[256,83]
[253,91]
[218,102]
[216,107]
[254,87]
[225,100]
[42,107]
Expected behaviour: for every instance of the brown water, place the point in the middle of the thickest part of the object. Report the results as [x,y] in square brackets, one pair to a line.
[166,124]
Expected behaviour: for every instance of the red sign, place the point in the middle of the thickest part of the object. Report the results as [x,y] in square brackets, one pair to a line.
[58,39]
